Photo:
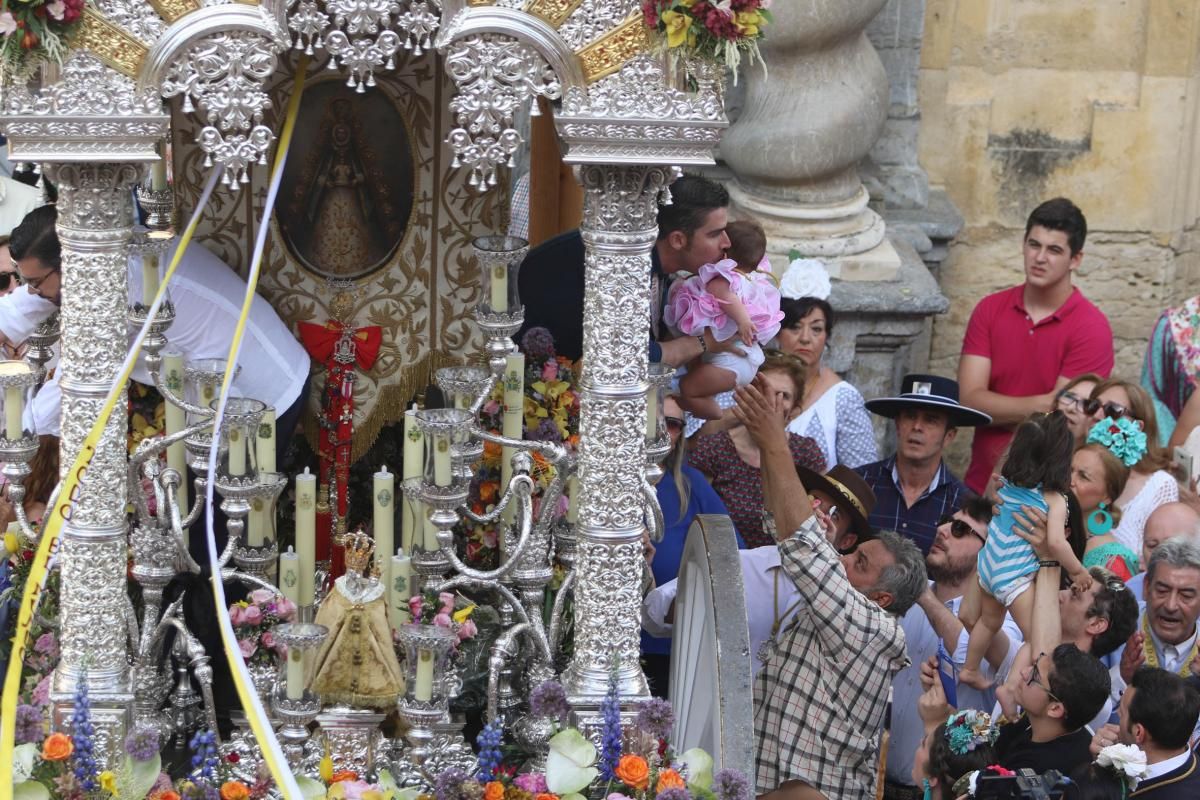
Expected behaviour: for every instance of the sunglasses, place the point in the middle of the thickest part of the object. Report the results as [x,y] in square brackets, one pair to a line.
[960,529]
[1035,679]
[9,278]
[674,423]
[1114,410]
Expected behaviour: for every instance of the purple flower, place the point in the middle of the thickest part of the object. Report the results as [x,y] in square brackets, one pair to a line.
[655,717]
[47,644]
[142,743]
[546,431]
[29,724]
[41,692]
[490,755]
[549,701]
[448,784]
[531,782]
[610,732]
[83,757]
[538,343]
[729,784]
[673,794]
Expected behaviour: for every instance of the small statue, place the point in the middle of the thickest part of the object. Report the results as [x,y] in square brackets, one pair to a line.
[357,664]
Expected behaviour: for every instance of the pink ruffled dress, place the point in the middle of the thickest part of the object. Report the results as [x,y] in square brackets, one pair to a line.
[690,308]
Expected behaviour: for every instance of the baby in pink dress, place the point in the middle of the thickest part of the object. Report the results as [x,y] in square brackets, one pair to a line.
[730,298]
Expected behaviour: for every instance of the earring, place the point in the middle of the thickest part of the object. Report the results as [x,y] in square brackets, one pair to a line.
[928,789]
[1100,522]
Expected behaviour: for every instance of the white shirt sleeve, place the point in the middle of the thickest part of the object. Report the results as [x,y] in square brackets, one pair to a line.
[21,312]
[655,609]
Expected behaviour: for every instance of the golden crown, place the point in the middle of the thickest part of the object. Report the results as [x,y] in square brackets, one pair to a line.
[359,547]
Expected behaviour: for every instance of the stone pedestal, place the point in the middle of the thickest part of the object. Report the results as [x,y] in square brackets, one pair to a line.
[802,132]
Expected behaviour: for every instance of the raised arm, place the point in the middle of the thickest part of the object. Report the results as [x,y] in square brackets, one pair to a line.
[974,373]
[786,497]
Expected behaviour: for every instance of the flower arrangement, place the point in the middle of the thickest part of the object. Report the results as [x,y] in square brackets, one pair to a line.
[638,766]
[438,609]
[969,729]
[1123,437]
[35,31]
[347,785]
[252,621]
[716,30]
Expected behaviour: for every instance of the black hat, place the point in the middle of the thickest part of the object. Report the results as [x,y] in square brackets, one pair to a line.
[853,494]
[928,391]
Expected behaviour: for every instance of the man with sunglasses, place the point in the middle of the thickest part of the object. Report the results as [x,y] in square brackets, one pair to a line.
[1022,345]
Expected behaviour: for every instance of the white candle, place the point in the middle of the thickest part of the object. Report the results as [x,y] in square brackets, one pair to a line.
[441,460]
[423,691]
[431,540]
[158,174]
[289,575]
[149,278]
[264,442]
[176,420]
[384,519]
[237,452]
[295,674]
[572,499]
[413,467]
[512,423]
[306,533]
[399,589]
[256,523]
[14,400]
[499,288]
[652,413]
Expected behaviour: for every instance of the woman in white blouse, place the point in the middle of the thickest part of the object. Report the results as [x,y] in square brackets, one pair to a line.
[1152,481]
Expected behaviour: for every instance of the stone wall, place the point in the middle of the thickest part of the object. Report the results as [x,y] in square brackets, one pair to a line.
[1023,100]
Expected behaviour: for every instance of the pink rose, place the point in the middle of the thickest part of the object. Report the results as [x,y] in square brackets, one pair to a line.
[354,790]
[443,619]
[447,601]
[247,646]
[490,407]
[415,606]
[285,609]
[267,640]
[549,371]
[252,615]
[235,615]
[261,597]
[467,630]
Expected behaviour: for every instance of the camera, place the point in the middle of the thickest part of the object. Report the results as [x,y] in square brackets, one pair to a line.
[1025,785]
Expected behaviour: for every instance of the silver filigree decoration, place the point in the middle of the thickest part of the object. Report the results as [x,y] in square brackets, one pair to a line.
[138,19]
[362,40]
[223,75]
[495,76]
[594,18]
[87,88]
[641,90]
[419,23]
[309,23]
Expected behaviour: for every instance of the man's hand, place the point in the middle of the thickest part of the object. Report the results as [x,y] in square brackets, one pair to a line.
[758,409]
[1108,734]
[1133,657]
[1031,526]
[932,704]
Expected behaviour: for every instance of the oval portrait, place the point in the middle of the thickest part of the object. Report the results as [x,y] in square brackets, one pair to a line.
[347,190]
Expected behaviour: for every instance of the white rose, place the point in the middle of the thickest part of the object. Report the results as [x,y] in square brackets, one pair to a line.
[805,277]
[1126,759]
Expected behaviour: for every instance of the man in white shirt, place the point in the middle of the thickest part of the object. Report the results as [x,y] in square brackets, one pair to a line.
[1165,522]
[16,200]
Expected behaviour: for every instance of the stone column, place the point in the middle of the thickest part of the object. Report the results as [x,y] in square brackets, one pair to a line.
[620,225]
[95,220]
[803,130]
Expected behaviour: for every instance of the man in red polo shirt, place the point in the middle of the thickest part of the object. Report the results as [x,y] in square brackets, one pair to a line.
[1023,344]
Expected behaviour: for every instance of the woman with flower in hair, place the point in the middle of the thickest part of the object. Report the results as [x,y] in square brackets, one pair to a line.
[1152,480]
[949,753]
[831,411]
[1099,472]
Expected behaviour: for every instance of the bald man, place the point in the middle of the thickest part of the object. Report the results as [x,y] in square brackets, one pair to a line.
[1165,522]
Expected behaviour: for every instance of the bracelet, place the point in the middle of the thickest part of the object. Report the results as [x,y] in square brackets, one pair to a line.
[703,344]
[1048,564]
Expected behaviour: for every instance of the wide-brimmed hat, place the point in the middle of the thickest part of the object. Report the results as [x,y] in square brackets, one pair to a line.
[849,491]
[929,391]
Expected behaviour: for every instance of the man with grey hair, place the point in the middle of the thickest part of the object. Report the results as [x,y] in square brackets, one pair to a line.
[820,698]
[1166,635]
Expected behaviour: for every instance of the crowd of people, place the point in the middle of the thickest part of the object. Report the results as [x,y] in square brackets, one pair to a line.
[1038,614]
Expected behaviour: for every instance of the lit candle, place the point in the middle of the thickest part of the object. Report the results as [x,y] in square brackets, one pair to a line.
[512,423]
[423,691]
[413,467]
[572,499]
[256,523]
[237,452]
[149,278]
[176,420]
[306,533]
[499,288]
[14,400]
[652,413]
[441,460]
[400,589]
[384,520]
[264,442]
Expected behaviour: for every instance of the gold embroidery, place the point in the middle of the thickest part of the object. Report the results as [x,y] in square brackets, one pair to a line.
[553,11]
[171,10]
[110,44]
[609,53]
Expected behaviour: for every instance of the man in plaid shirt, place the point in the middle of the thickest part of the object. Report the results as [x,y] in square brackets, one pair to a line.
[821,696]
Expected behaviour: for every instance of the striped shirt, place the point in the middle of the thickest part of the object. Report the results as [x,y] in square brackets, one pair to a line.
[819,700]
[1006,557]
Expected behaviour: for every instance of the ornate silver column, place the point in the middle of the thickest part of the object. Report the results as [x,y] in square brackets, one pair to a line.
[94,132]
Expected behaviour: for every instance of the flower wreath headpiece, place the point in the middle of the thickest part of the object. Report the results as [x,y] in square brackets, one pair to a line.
[805,277]
[1126,761]
[968,730]
[1122,437]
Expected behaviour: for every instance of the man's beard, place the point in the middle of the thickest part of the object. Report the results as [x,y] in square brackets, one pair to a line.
[950,573]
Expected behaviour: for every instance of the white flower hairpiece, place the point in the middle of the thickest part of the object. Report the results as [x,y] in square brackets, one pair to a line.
[1126,760]
[805,277]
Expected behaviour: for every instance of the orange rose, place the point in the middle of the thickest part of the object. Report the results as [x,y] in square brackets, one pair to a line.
[234,790]
[344,775]
[669,779]
[634,771]
[165,794]
[57,747]
[545,796]
[493,790]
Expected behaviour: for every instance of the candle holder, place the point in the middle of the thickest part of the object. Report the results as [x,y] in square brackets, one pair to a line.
[659,378]
[202,385]
[39,346]
[296,713]
[158,204]
[17,380]
[426,698]
[465,386]
[153,247]
[500,313]
[442,490]
[239,426]
[258,558]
